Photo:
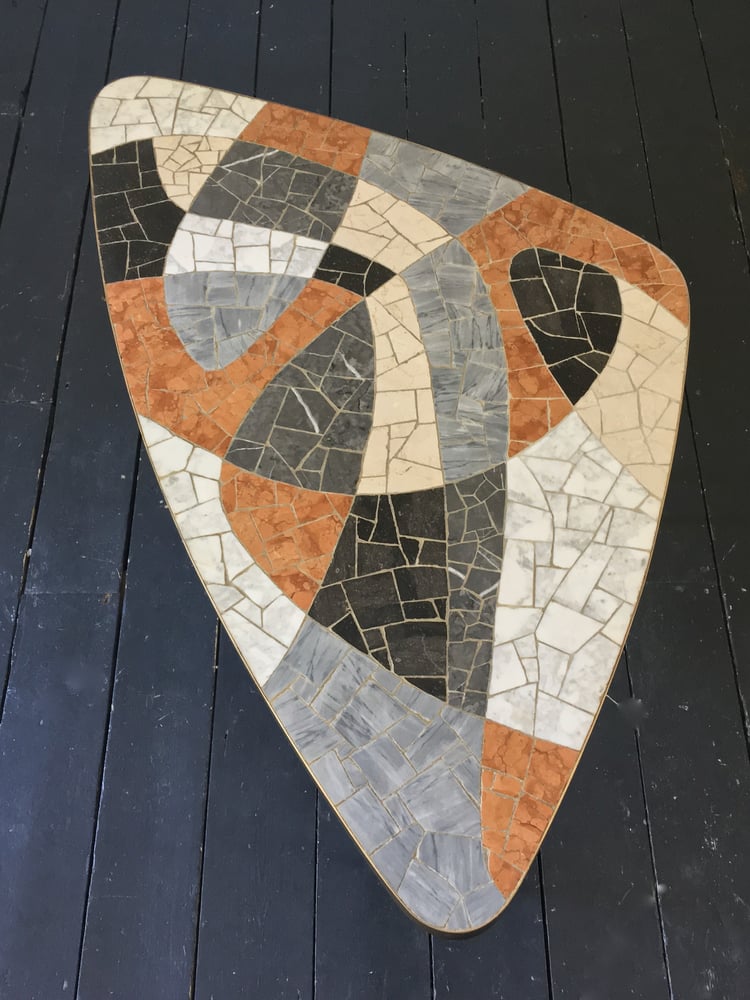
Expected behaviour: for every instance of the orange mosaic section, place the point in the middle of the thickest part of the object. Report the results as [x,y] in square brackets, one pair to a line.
[290,532]
[207,407]
[333,143]
[523,780]
[536,219]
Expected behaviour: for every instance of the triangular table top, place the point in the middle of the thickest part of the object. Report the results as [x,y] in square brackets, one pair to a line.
[414,421]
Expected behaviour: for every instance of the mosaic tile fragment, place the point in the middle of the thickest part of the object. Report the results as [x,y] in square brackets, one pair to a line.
[403,451]
[415,810]
[462,339]
[185,161]
[139,107]
[452,192]
[168,386]
[573,312]
[386,229]
[579,530]
[351,270]
[310,424]
[634,407]
[135,219]
[271,188]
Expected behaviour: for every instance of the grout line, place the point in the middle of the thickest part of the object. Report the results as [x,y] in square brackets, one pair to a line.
[103,756]
[258,33]
[21,112]
[202,863]
[479,68]
[735,200]
[315,897]
[45,448]
[406,83]
[649,834]
[545,928]
[185,39]
[559,101]
[431,956]
[640,125]
[330,59]
[744,712]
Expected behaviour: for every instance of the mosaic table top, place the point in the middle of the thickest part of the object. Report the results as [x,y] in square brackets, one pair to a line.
[414,421]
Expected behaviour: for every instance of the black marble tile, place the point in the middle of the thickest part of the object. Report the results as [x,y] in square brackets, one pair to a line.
[135,219]
[261,186]
[351,270]
[310,425]
[572,310]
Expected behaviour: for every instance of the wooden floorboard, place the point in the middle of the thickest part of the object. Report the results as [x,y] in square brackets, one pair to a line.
[158,834]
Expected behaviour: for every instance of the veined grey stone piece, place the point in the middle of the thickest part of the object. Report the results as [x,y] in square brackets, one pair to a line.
[274,189]
[219,314]
[453,192]
[329,771]
[386,768]
[465,352]
[399,749]
[433,897]
[309,426]
[440,803]
[482,904]
[369,822]
[394,857]
[458,859]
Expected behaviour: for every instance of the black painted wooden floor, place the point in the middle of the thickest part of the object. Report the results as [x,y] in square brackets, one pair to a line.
[158,838]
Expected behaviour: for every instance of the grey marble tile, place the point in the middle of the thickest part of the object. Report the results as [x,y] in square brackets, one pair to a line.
[218,315]
[440,803]
[311,735]
[384,765]
[333,779]
[369,822]
[276,190]
[483,904]
[394,857]
[458,859]
[369,713]
[427,894]
[467,360]
[453,192]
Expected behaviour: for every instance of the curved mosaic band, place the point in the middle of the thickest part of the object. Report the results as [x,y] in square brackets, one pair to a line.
[414,421]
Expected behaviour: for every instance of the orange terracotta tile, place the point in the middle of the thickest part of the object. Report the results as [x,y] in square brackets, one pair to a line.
[290,532]
[505,749]
[206,408]
[549,771]
[538,219]
[316,137]
[505,876]
[523,780]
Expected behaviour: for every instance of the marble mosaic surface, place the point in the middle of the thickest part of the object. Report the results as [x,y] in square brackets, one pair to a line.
[414,421]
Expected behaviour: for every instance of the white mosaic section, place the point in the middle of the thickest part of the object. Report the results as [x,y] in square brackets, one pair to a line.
[140,107]
[261,620]
[403,451]
[386,229]
[634,405]
[204,244]
[185,162]
[579,529]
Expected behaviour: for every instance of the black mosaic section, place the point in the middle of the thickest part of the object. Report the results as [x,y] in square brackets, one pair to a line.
[573,311]
[310,425]
[386,589]
[135,219]
[268,187]
[351,270]
[476,510]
